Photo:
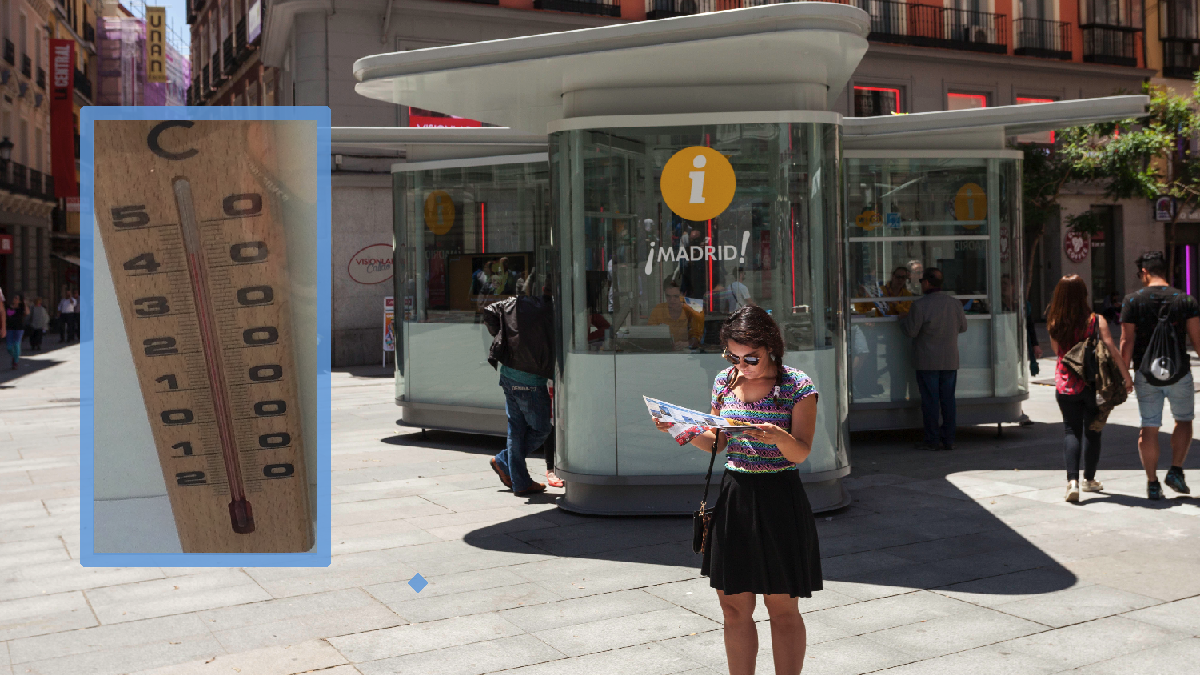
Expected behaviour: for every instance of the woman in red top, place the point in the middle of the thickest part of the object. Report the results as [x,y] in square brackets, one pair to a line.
[1069,320]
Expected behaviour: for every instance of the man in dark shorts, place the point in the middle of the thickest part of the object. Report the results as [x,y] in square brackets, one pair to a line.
[1140,311]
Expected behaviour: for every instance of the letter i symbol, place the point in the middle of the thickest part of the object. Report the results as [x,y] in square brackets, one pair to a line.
[697,180]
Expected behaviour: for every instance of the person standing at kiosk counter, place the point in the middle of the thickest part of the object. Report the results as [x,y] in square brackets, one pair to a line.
[763,538]
[522,329]
[934,323]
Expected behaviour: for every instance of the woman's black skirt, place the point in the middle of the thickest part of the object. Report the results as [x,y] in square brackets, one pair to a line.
[763,538]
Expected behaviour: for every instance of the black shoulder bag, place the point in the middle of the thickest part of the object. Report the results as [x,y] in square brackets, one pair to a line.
[702,519]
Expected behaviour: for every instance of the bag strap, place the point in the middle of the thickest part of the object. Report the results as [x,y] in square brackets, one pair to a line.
[708,477]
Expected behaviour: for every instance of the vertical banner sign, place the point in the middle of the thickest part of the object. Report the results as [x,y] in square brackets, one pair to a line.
[254,22]
[62,117]
[156,59]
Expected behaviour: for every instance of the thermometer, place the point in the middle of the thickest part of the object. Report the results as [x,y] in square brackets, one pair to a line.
[194,233]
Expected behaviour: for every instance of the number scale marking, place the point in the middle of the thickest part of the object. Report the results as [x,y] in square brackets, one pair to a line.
[196,247]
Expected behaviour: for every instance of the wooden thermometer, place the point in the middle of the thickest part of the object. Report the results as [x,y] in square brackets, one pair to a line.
[192,225]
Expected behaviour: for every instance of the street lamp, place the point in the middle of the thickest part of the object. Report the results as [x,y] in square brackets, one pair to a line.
[6,147]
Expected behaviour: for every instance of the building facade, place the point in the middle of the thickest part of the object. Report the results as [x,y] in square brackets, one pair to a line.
[122,76]
[922,57]
[36,249]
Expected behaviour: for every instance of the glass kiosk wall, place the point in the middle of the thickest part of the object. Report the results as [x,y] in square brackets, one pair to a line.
[907,213]
[466,236]
[648,291]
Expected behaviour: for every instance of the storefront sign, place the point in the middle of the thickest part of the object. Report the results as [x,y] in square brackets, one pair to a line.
[1076,246]
[439,212]
[156,60]
[694,253]
[970,204]
[893,221]
[867,220]
[1164,209]
[431,121]
[389,324]
[372,265]
[62,117]
[6,245]
[698,183]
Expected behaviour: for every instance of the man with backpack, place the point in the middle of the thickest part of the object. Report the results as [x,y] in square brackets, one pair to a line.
[1160,315]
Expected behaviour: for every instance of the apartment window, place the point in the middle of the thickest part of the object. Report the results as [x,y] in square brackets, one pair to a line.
[872,101]
[1046,137]
[956,101]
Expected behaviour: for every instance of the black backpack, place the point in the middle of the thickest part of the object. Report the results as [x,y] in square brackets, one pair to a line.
[1165,361]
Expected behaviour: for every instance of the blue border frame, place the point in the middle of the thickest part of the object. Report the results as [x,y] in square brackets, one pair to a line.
[319,556]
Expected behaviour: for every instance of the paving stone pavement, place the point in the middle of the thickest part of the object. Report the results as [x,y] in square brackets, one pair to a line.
[962,562]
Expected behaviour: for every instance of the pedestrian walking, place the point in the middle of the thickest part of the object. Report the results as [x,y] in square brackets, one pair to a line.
[934,323]
[1142,310]
[16,314]
[39,321]
[1070,320]
[522,329]
[73,329]
[65,307]
[762,538]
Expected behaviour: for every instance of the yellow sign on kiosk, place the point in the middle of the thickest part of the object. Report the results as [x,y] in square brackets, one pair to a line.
[698,183]
[970,204]
[439,212]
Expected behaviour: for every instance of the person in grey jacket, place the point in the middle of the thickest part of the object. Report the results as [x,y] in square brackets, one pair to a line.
[934,323]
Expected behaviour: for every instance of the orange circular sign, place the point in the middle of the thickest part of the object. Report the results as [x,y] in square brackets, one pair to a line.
[970,203]
[698,183]
[439,212]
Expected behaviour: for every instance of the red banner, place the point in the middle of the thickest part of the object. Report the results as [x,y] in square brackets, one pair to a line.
[62,117]
[430,121]
[6,246]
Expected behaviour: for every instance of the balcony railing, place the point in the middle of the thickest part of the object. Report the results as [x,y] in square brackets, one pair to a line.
[82,84]
[20,179]
[10,52]
[49,188]
[218,75]
[929,26]
[1181,57]
[1114,45]
[41,79]
[662,9]
[1040,37]
[243,49]
[601,7]
[35,183]
[26,66]
[227,60]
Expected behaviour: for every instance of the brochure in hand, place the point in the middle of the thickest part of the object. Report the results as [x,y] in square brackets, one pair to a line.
[685,418]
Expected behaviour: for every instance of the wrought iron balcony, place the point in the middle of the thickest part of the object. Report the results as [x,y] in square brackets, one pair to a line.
[227,60]
[20,179]
[1181,57]
[1114,45]
[82,84]
[243,49]
[930,26]
[600,7]
[10,52]
[662,9]
[35,184]
[1040,37]
[26,66]
[49,188]
[41,79]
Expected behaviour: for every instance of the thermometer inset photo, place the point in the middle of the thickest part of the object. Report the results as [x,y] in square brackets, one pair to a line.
[192,220]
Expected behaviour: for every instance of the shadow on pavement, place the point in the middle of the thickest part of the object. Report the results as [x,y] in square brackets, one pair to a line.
[31,361]
[919,519]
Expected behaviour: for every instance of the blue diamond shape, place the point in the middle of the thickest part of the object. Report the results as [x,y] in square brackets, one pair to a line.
[418,583]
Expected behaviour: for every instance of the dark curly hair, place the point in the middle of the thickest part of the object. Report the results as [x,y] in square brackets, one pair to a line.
[751,325]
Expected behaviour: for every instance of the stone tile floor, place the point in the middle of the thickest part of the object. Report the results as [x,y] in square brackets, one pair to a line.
[963,562]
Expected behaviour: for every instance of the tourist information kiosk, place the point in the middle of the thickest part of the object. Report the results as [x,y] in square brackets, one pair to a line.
[693,161]
[471,213]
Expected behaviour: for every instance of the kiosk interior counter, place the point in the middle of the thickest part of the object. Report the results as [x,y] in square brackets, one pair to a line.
[956,214]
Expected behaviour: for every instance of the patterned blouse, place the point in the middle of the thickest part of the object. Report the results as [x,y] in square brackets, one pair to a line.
[743,453]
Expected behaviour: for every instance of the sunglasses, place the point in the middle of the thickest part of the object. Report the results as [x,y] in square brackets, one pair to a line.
[748,360]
